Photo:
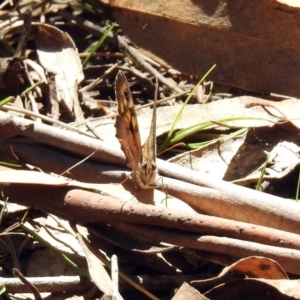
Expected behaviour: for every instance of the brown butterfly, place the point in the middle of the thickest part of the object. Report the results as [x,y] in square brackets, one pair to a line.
[141,159]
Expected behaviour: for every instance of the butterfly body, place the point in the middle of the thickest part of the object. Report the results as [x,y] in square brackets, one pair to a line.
[141,159]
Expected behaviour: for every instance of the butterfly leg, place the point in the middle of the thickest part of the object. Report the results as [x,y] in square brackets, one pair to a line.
[163,187]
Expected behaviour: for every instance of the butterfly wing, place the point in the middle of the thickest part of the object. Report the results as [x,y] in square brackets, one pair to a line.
[148,171]
[149,147]
[127,129]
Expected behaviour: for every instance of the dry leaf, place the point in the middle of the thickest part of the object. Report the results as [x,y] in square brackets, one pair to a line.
[96,269]
[191,36]
[246,289]
[257,267]
[188,292]
[234,108]
[59,57]
[242,159]
[235,282]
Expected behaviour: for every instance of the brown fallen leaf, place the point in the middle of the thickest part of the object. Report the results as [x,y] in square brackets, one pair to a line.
[246,289]
[242,38]
[257,267]
[268,274]
[59,56]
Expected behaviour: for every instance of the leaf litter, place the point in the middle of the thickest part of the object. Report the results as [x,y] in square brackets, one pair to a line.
[148,250]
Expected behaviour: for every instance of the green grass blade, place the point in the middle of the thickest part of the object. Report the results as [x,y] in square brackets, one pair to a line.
[98,44]
[6,164]
[170,133]
[2,289]
[184,133]
[57,252]
[238,133]
[6,100]
[263,171]
[86,6]
[31,88]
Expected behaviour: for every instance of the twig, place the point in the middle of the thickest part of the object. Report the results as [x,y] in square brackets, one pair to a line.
[9,107]
[206,194]
[20,51]
[87,25]
[114,276]
[48,284]
[87,207]
[122,275]
[96,82]
[223,245]
[137,108]
[102,54]
[31,288]
[136,55]
[262,102]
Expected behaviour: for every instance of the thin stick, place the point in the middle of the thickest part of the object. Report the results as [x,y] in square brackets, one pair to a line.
[136,55]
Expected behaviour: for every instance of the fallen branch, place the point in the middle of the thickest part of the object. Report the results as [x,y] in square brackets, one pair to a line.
[205,194]
[180,228]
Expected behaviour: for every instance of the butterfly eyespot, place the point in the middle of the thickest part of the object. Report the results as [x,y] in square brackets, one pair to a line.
[126,96]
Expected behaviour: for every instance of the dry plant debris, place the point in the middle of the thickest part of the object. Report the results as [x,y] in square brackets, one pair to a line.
[245,40]
[72,226]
